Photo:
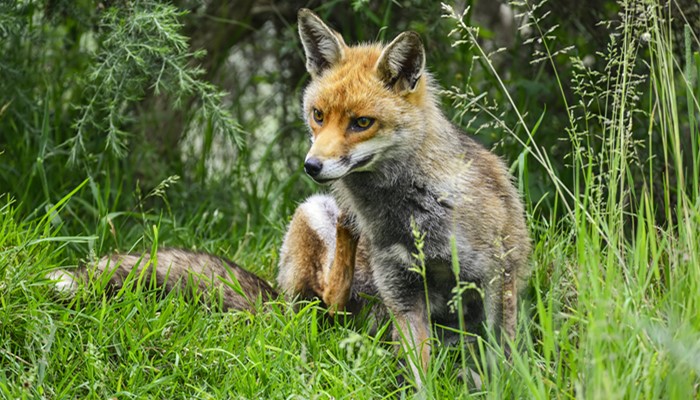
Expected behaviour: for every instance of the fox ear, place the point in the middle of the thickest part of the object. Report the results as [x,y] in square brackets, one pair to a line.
[402,63]
[323,46]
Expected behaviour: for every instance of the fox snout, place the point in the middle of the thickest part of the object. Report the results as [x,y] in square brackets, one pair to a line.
[313,166]
[324,171]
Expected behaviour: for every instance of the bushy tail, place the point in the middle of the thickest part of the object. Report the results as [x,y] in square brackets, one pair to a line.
[213,278]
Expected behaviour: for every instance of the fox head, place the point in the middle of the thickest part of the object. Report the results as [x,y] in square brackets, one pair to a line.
[364,103]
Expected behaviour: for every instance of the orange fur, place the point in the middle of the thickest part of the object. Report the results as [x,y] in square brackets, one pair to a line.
[355,90]
[336,294]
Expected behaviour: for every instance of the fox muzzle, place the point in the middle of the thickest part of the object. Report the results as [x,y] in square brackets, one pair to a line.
[313,166]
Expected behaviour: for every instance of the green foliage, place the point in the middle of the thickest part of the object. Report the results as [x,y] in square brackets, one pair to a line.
[143,345]
[141,48]
[611,285]
[78,78]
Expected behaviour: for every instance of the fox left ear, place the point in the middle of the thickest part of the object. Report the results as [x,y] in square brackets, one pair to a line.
[402,63]
[323,46]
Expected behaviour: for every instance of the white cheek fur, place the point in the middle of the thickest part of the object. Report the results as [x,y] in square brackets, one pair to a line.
[335,169]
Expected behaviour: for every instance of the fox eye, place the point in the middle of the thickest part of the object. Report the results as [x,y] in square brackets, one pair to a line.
[361,124]
[318,116]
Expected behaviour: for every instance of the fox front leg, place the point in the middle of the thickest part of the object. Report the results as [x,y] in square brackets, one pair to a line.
[339,282]
[501,305]
[510,309]
[412,331]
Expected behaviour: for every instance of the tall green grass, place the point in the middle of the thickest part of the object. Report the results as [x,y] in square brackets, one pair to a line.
[617,278]
[613,309]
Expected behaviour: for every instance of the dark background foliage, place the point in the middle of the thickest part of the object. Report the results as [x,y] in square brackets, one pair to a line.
[202,98]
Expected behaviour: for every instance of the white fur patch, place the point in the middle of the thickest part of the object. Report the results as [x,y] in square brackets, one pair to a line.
[397,57]
[64,281]
[374,147]
[335,169]
[330,49]
[322,212]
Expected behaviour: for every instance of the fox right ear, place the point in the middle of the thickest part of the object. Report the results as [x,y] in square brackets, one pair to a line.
[323,46]
[402,63]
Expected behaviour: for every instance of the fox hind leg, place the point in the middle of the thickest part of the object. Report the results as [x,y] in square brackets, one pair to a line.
[322,258]
[339,278]
[308,249]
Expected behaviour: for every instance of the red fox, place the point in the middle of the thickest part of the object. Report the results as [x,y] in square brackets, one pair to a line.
[394,162]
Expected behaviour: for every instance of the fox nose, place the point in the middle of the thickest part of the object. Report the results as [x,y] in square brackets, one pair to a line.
[313,166]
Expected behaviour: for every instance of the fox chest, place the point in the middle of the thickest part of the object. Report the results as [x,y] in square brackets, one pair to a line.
[397,215]
[393,217]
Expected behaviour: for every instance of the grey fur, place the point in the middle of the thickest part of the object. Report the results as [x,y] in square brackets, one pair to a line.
[398,190]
